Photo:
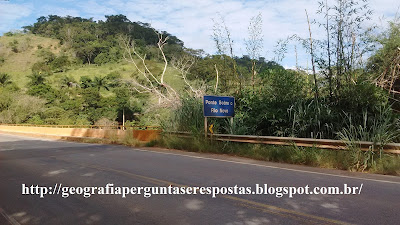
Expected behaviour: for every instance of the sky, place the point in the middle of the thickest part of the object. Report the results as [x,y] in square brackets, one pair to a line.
[192,20]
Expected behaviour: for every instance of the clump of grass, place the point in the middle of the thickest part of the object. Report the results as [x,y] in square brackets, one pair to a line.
[380,131]
[151,143]
[129,140]
[389,164]
[113,137]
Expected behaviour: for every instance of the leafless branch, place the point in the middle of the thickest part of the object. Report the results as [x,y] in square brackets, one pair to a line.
[152,83]
[183,65]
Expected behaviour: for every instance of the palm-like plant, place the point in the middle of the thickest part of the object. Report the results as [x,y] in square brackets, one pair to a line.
[101,82]
[5,79]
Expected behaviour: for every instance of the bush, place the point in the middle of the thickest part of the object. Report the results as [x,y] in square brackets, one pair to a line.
[187,117]
[111,56]
[21,108]
[14,46]
[105,122]
[60,64]
[41,68]
[46,54]
[114,79]
[357,98]
[43,90]
[56,116]
[5,79]
[9,34]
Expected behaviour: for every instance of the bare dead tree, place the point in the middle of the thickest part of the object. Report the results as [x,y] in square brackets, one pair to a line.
[155,85]
[183,65]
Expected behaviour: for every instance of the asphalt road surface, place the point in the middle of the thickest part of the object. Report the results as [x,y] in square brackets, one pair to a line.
[33,161]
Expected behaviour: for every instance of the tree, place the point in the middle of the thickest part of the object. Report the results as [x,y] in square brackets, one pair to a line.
[86,82]
[126,104]
[347,39]
[254,43]
[328,65]
[86,40]
[117,24]
[312,58]
[101,82]
[114,79]
[224,44]
[385,63]
[151,84]
[60,64]
[183,64]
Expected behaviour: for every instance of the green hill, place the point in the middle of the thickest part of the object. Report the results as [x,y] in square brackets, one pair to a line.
[18,53]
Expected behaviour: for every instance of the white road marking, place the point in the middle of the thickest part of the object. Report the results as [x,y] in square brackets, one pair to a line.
[11,220]
[244,163]
[272,167]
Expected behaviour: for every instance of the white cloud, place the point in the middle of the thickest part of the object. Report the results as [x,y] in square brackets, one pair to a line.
[191,21]
[11,15]
[96,10]
[56,10]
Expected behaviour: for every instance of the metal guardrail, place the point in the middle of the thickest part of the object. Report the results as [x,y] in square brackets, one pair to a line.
[393,148]
[87,126]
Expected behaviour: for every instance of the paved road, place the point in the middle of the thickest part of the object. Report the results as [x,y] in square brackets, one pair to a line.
[30,161]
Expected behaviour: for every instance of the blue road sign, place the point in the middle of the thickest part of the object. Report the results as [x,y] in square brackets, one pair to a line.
[218,106]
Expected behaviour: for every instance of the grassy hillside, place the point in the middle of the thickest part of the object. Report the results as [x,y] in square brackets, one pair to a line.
[20,53]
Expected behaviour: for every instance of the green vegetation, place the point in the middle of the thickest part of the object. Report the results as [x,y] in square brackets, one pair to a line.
[72,70]
[345,160]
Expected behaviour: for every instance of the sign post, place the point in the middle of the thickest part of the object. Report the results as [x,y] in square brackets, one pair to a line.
[218,106]
[205,127]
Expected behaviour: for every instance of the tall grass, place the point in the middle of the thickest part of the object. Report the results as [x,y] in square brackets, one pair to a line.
[387,164]
[379,129]
[188,117]
[314,119]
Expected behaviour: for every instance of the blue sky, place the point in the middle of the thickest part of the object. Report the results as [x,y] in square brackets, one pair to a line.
[192,21]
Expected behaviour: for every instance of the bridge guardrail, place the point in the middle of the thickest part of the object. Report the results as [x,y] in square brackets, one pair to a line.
[393,148]
[87,126]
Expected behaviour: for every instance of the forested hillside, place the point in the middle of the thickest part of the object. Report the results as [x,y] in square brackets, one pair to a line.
[72,70]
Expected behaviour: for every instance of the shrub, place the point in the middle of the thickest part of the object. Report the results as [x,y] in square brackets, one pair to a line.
[14,46]
[22,108]
[60,64]
[380,130]
[188,116]
[41,68]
